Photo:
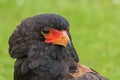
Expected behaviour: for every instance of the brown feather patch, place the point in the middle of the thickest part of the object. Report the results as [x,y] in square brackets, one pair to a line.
[81,70]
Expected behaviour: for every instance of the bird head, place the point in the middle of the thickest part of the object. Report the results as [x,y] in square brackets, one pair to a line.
[54,29]
[47,29]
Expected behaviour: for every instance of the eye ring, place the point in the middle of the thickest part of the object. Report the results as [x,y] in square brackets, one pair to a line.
[45,31]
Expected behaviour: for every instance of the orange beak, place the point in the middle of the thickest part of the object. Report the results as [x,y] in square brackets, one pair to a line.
[57,37]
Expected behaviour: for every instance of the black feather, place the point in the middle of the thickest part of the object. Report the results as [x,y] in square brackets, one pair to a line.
[37,60]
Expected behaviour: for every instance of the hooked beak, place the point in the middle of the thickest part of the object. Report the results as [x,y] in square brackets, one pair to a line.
[62,40]
[57,37]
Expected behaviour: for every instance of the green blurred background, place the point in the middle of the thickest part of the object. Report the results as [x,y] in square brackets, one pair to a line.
[95,29]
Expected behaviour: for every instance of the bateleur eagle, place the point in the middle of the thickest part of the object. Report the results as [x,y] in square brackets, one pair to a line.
[43,50]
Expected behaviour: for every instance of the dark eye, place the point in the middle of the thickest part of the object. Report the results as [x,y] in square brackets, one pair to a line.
[45,30]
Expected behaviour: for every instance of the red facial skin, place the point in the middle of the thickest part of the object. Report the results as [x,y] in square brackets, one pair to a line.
[56,37]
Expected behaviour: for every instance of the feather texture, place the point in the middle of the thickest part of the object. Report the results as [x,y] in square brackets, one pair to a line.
[37,60]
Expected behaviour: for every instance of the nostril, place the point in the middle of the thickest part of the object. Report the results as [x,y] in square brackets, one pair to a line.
[62,37]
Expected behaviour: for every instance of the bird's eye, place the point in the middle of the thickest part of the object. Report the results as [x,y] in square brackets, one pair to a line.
[45,31]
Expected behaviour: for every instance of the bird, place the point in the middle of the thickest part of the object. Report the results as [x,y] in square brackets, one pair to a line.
[43,50]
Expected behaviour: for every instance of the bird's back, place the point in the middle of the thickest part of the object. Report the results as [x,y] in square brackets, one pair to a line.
[85,73]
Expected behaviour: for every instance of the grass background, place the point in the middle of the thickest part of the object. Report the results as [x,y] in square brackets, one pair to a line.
[95,29]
